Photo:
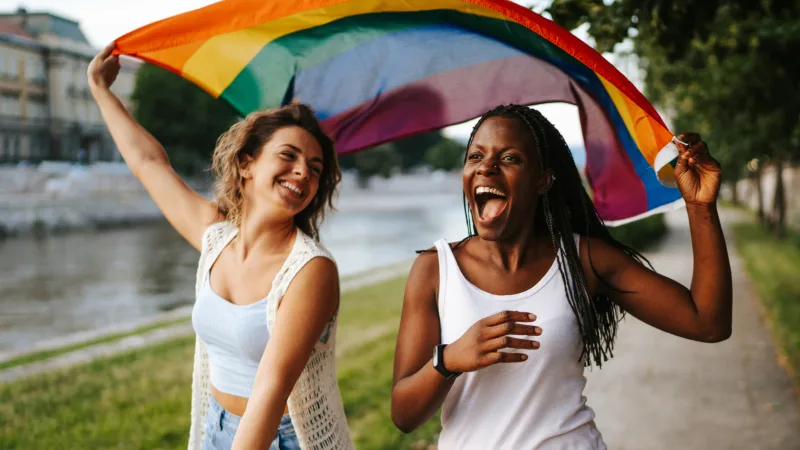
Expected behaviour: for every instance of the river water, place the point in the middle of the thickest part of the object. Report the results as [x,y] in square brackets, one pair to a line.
[63,284]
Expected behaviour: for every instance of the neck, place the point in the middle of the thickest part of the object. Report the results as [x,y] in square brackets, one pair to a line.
[260,230]
[514,252]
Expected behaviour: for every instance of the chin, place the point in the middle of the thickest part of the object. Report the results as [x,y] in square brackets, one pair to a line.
[288,206]
[491,232]
[489,235]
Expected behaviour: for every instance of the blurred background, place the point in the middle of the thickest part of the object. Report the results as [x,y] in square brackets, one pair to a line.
[96,288]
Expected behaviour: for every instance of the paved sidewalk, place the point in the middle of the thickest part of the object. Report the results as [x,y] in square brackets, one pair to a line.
[664,392]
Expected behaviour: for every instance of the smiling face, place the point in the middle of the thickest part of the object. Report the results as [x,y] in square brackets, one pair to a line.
[502,178]
[284,177]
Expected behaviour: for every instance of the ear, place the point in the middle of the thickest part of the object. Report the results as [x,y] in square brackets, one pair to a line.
[245,161]
[546,182]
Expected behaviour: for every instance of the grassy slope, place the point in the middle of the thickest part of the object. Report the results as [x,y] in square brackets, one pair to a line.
[140,400]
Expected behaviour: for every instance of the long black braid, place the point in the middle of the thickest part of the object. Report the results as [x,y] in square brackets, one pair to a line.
[566,209]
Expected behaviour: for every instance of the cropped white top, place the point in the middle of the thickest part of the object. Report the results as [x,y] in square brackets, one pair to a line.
[236,336]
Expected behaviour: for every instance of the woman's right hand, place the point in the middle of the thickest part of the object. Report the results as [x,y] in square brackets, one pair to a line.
[480,345]
[103,69]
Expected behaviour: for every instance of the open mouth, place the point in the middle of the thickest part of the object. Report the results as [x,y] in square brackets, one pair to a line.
[490,202]
[294,189]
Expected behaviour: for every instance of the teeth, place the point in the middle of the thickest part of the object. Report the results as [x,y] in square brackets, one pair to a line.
[488,190]
[291,187]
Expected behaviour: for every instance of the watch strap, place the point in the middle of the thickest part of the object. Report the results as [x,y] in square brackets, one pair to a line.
[439,363]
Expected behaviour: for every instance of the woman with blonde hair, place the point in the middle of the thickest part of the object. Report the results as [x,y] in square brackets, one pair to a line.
[267,292]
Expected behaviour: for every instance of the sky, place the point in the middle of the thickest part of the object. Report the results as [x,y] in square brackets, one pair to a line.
[102,21]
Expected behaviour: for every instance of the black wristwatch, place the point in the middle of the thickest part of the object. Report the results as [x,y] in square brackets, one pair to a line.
[438,363]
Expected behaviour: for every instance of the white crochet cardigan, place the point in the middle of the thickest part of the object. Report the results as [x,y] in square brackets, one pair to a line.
[315,403]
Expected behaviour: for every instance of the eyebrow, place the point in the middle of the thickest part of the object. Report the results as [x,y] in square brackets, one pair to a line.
[481,147]
[299,150]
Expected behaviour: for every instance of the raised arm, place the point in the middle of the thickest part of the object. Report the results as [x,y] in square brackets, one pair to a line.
[702,313]
[418,389]
[308,306]
[189,212]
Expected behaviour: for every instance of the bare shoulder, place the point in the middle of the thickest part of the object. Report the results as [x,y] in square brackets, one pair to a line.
[426,264]
[318,271]
[425,271]
[314,290]
[423,279]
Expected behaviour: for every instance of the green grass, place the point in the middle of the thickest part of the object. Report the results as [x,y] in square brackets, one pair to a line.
[141,399]
[773,265]
[46,354]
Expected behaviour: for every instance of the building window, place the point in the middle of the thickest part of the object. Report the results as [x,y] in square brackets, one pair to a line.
[37,109]
[81,107]
[8,66]
[9,105]
[12,67]
[34,69]
[81,78]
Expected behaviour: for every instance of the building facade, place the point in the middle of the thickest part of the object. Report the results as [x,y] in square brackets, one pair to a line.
[46,109]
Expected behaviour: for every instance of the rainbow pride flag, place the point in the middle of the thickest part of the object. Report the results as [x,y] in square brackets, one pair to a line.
[380,70]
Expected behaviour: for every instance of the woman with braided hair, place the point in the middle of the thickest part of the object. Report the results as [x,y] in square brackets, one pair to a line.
[497,329]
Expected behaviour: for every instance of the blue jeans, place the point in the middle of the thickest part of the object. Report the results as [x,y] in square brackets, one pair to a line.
[221,427]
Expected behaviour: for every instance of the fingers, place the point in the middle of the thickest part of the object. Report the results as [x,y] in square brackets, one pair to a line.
[685,141]
[508,316]
[689,138]
[104,54]
[510,342]
[507,328]
[697,152]
[505,357]
[692,149]
[106,51]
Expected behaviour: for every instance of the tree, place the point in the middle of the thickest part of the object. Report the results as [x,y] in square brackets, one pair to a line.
[381,160]
[403,155]
[186,120]
[445,155]
[725,68]
[413,150]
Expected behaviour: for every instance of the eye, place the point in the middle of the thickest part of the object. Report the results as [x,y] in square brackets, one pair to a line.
[317,170]
[289,156]
[511,158]
[474,156]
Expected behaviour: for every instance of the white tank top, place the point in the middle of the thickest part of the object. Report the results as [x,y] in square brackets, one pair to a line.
[236,337]
[536,404]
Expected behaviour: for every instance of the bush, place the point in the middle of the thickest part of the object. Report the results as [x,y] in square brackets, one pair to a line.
[642,234]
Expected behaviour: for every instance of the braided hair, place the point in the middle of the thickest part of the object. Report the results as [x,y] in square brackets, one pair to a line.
[566,209]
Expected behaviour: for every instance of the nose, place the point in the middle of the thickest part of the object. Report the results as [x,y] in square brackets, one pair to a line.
[301,170]
[488,167]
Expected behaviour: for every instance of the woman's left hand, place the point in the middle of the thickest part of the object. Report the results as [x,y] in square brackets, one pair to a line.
[103,69]
[697,173]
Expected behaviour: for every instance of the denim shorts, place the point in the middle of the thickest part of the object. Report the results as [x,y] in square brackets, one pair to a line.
[221,427]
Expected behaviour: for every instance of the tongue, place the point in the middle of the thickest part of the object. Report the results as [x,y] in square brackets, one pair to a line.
[493,208]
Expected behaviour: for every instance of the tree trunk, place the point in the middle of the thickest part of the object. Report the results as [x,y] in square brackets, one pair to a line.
[734,193]
[779,204]
[759,193]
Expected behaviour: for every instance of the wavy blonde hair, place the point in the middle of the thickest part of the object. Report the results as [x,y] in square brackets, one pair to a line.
[247,137]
